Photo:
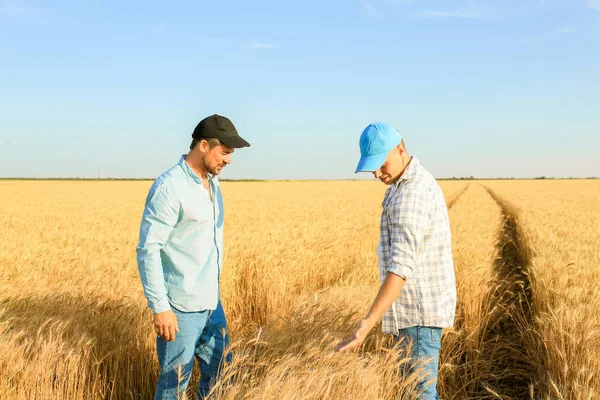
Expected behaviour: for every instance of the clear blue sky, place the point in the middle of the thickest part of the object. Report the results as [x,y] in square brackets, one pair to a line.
[477,87]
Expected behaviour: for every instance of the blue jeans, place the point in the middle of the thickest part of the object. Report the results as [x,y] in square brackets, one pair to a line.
[424,353]
[202,335]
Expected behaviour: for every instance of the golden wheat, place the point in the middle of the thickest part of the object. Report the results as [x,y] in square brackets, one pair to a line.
[300,270]
[561,223]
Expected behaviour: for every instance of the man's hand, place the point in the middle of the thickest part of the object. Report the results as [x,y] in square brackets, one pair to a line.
[165,325]
[388,292]
[364,327]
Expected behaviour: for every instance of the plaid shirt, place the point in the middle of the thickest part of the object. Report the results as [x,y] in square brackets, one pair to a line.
[415,244]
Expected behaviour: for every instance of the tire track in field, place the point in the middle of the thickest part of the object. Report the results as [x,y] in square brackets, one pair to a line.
[455,199]
[511,344]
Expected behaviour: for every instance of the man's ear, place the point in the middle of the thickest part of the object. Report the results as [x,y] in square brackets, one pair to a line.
[203,146]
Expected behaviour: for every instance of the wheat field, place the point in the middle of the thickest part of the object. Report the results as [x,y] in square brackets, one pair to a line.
[300,269]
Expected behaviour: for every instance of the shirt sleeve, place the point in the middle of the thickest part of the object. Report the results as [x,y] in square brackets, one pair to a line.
[409,221]
[160,216]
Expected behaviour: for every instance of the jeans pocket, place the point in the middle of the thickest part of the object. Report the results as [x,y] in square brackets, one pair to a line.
[436,334]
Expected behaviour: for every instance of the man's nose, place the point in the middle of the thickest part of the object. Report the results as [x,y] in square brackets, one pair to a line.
[377,174]
[227,159]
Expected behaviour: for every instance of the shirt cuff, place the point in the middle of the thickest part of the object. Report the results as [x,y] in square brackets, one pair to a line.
[402,270]
[159,306]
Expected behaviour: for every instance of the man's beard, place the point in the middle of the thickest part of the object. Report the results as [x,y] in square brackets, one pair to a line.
[211,170]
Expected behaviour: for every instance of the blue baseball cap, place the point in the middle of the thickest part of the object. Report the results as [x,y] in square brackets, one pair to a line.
[375,143]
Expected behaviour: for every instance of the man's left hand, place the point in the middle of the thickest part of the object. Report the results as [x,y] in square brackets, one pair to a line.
[364,327]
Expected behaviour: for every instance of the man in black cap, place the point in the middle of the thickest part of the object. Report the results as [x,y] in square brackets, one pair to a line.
[180,257]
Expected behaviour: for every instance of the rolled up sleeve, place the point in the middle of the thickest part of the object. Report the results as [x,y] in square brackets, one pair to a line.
[161,213]
[409,220]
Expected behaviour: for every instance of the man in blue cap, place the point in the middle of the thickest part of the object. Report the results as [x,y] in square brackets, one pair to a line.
[417,297]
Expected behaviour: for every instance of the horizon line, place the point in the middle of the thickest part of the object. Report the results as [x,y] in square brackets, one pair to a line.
[459,178]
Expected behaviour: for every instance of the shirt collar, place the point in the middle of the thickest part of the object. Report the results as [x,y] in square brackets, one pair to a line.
[189,172]
[410,171]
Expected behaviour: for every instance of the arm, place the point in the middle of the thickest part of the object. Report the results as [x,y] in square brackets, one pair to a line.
[160,216]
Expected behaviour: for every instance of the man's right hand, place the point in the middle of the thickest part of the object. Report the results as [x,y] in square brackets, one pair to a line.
[165,325]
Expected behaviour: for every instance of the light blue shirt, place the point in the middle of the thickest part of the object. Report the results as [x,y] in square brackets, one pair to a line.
[180,253]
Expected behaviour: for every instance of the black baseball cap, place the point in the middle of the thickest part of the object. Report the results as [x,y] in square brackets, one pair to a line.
[219,127]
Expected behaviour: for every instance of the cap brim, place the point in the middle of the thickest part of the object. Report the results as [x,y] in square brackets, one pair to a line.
[234,141]
[370,163]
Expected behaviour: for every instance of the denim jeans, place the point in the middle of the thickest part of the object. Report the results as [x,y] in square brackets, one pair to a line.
[424,353]
[202,335]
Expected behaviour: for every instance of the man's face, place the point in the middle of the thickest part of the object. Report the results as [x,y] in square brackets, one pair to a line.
[217,158]
[392,167]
